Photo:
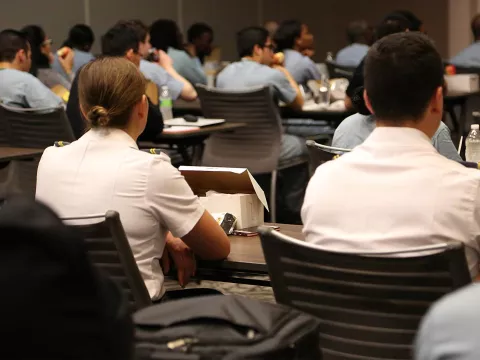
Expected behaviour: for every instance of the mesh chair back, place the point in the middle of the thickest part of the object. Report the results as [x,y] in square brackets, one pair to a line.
[110,251]
[319,154]
[32,128]
[370,305]
[338,71]
[256,146]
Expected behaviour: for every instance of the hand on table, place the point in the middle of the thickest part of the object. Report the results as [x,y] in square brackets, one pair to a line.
[183,258]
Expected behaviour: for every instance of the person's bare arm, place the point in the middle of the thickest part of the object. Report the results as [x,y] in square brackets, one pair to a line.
[207,239]
[188,92]
[297,103]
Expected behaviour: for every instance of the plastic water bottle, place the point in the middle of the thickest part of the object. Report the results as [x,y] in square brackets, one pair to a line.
[166,103]
[329,56]
[473,144]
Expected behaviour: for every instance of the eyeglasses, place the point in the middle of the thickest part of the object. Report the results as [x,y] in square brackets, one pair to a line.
[270,46]
[47,42]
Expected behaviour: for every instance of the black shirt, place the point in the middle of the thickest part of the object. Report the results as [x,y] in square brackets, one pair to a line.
[154,122]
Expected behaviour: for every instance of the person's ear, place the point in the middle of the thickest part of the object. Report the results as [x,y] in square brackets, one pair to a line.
[130,55]
[21,56]
[142,108]
[367,102]
[437,101]
[257,50]
[82,111]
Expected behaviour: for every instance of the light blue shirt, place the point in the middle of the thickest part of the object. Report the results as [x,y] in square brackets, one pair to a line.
[469,57]
[450,328]
[355,129]
[352,55]
[161,77]
[80,58]
[301,67]
[23,90]
[188,67]
[246,73]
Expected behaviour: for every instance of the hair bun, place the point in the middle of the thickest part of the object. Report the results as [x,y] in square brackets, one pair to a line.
[99,116]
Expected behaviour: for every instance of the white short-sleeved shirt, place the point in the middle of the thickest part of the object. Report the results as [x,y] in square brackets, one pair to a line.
[104,170]
[393,192]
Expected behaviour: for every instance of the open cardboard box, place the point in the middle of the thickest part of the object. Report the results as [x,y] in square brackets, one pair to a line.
[239,193]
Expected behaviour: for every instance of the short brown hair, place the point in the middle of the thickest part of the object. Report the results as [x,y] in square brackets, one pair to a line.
[109,88]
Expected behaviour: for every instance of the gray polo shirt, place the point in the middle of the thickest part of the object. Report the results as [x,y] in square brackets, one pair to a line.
[161,77]
[246,73]
[351,55]
[468,57]
[450,329]
[356,128]
[80,58]
[188,67]
[301,67]
[23,90]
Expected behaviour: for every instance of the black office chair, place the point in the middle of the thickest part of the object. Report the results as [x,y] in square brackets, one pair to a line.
[110,251]
[339,71]
[319,154]
[31,128]
[369,305]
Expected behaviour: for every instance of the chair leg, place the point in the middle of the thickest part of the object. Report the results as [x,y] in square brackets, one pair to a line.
[273,197]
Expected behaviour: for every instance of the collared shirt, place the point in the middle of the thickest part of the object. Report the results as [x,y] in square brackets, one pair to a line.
[351,55]
[246,73]
[450,328]
[104,170]
[188,67]
[393,192]
[301,67]
[161,77]
[356,128]
[51,78]
[80,58]
[469,57]
[23,90]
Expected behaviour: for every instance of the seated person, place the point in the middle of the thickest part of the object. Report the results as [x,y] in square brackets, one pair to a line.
[54,292]
[18,88]
[391,24]
[42,58]
[80,40]
[292,38]
[360,37]
[449,330]
[257,68]
[355,129]
[161,71]
[188,59]
[395,191]
[470,57]
[105,170]
[119,41]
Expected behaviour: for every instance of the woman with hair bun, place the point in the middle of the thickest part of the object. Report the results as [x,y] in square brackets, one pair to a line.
[104,170]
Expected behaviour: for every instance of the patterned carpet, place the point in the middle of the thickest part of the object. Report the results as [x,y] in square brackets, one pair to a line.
[261,293]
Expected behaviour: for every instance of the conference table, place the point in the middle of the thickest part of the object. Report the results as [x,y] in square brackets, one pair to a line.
[8,154]
[246,262]
[185,139]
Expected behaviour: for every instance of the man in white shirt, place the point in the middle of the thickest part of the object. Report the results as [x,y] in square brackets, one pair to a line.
[395,191]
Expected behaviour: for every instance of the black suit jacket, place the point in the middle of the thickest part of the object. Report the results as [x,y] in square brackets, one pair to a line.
[154,122]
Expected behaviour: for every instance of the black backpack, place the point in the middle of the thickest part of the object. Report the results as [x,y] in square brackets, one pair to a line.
[225,327]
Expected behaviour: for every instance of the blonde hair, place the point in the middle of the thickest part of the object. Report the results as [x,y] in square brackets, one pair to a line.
[108,90]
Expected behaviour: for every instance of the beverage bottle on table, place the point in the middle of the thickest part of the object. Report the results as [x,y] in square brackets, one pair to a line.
[323,92]
[473,144]
[166,103]
[329,57]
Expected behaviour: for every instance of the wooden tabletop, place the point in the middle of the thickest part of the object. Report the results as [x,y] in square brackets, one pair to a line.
[201,132]
[246,253]
[12,153]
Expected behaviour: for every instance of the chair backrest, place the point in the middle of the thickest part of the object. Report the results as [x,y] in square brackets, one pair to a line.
[256,146]
[319,154]
[152,92]
[369,305]
[338,71]
[33,128]
[110,251]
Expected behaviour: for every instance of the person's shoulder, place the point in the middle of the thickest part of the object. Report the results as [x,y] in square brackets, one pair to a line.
[22,76]
[354,121]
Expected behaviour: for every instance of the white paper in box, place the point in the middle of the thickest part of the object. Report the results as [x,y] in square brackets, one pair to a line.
[236,192]
[462,83]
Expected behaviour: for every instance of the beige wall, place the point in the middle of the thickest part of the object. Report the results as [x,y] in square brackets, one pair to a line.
[326,18]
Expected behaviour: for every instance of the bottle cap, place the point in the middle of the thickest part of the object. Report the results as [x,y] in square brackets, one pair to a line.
[475,127]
